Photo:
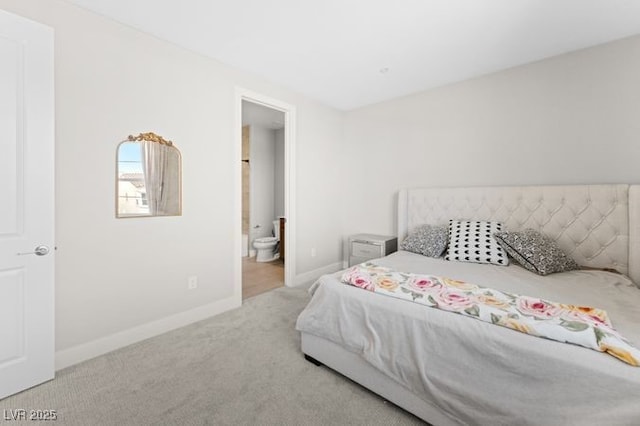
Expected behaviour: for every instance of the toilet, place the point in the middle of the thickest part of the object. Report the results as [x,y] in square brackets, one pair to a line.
[266,246]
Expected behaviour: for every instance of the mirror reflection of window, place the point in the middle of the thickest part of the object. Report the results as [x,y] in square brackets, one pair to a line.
[131,186]
[148,177]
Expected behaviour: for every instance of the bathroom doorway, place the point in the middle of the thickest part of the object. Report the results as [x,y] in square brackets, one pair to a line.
[266,216]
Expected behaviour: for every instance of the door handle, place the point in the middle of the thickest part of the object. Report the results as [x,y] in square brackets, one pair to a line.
[38,251]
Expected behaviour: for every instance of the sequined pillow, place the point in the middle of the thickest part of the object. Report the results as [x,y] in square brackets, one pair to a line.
[427,240]
[535,251]
[472,241]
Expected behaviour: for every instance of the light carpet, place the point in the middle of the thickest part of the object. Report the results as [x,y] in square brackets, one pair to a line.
[243,367]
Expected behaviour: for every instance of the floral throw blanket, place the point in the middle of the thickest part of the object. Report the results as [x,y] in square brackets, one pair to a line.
[579,325]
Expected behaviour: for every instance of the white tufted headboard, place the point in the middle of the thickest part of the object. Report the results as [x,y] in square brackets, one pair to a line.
[598,225]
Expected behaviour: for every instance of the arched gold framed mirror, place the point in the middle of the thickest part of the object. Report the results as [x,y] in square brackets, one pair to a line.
[148,177]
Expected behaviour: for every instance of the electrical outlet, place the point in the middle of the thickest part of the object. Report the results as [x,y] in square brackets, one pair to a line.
[192,282]
[313,252]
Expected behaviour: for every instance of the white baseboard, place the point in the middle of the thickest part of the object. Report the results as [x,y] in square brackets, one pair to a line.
[311,276]
[76,354]
[103,345]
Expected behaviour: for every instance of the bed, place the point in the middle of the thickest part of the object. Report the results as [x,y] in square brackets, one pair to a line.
[451,370]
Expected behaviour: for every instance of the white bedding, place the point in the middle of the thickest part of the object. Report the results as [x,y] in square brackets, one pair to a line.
[479,373]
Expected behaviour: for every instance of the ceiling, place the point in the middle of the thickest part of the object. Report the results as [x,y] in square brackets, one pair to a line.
[351,53]
[259,115]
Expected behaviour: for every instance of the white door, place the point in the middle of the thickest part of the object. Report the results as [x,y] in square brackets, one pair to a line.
[26,204]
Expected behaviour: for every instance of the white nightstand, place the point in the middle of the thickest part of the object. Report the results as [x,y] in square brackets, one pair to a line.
[363,247]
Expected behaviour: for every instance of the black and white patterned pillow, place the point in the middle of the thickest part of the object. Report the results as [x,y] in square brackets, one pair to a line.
[535,251]
[427,240]
[472,241]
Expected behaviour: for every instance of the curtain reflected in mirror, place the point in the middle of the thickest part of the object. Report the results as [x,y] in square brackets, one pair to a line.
[149,175]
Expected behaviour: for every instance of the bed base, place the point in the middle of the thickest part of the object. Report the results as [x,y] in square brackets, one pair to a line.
[313,361]
[351,365]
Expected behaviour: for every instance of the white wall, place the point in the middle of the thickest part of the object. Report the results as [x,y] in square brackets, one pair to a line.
[262,192]
[569,119]
[279,173]
[319,191]
[112,81]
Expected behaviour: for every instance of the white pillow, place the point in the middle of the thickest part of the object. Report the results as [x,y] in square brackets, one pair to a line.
[472,241]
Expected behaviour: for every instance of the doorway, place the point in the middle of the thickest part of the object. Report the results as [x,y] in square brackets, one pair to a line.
[265,145]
